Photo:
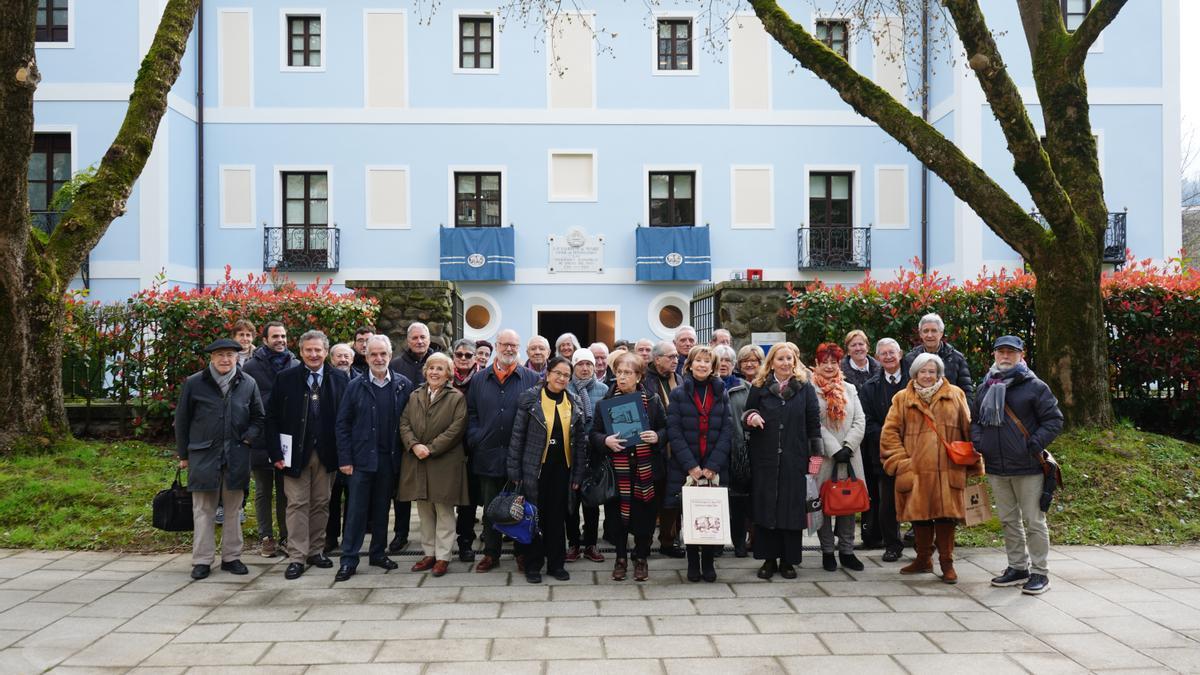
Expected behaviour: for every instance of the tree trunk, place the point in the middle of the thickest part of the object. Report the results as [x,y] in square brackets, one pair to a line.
[1072,339]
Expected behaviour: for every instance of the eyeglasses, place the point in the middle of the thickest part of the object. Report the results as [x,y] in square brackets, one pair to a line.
[559,374]
[512,345]
[464,355]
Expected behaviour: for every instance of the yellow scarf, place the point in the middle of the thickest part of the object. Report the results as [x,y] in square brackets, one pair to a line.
[564,413]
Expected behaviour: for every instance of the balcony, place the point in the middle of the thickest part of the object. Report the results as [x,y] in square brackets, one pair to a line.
[478,254]
[1114,236]
[673,254]
[834,249]
[301,249]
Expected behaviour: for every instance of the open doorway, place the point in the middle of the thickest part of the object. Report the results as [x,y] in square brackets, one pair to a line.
[588,326]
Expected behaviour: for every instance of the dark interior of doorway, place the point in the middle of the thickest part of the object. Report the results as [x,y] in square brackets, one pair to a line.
[589,327]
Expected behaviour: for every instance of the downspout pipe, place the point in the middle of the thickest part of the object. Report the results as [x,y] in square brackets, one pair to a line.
[200,146]
[925,117]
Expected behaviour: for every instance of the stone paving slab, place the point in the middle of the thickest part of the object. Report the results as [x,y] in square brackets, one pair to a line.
[1109,609]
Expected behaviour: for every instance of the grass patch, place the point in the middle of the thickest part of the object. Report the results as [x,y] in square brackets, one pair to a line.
[86,495]
[1124,486]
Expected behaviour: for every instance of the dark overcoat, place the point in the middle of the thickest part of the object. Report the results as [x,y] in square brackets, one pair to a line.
[358,420]
[214,430]
[288,414]
[779,452]
[528,442]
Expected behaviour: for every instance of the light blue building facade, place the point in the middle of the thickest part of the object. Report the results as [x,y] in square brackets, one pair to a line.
[340,138]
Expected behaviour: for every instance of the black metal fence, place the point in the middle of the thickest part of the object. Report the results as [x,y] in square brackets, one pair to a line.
[834,248]
[312,248]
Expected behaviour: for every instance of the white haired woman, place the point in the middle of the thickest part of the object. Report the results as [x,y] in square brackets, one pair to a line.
[925,415]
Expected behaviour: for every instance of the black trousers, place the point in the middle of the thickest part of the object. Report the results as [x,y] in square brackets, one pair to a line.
[591,524]
[337,507]
[464,521]
[641,526]
[889,529]
[739,515]
[782,545]
[871,534]
[551,546]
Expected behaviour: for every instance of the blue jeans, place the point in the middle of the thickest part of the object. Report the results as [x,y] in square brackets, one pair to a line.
[370,498]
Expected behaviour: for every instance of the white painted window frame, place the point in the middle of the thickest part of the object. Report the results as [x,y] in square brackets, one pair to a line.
[733,224]
[648,169]
[451,219]
[694,71]
[225,225]
[277,172]
[855,170]
[550,197]
[851,42]
[876,224]
[407,224]
[284,40]
[456,66]
[70,43]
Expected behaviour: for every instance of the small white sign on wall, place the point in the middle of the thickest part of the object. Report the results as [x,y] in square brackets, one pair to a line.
[576,252]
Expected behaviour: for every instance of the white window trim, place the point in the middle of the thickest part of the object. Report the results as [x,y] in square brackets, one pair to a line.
[225,225]
[70,43]
[662,300]
[220,50]
[851,42]
[593,197]
[537,309]
[691,72]
[407,224]
[589,19]
[648,169]
[452,220]
[770,67]
[454,55]
[473,298]
[366,55]
[279,169]
[855,171]
[284,41]
[876,224]
[62,129]
[733,224]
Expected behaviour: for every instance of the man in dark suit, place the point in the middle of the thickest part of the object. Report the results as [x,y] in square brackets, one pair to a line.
[304,407]
[876,398]
[367,426]
[662,375]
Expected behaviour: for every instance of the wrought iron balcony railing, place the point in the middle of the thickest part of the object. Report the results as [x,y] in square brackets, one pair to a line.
[1114,236]
[301,249]
[836,248]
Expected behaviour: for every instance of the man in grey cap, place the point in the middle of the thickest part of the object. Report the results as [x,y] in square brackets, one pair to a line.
[1015,417]
[219,416]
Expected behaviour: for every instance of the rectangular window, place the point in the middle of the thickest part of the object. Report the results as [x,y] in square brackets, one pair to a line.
[305,214]
[304,41]
[52,20]
[1073,12]
[672,198]
[49,168]
[477,199]
[475,43]
[674,44]
[835,34]
[829,217]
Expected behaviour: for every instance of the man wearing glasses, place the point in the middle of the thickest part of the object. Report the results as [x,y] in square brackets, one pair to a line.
[660,379]
[466,367]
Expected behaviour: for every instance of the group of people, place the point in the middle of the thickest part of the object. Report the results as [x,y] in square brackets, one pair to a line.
[359,425]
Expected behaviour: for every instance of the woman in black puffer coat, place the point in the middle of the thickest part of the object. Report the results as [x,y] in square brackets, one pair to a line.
[700,429]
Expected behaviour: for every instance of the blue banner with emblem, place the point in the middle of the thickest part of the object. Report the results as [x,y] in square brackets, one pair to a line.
[673,254]
[478,254]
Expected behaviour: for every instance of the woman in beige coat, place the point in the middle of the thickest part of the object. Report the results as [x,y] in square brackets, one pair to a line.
[434,470]
[929,486]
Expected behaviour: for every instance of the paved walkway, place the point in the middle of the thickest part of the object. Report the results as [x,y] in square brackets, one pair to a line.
[1119,608]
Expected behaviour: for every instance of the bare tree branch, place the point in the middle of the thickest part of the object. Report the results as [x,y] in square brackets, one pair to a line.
[1102,14]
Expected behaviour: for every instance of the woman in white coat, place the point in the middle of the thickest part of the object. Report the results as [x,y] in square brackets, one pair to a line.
[843,426]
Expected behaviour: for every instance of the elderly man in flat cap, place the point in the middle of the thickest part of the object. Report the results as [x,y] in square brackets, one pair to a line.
[219,416]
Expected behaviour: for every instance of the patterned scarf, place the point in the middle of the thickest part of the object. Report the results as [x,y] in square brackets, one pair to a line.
[635,473]
[926,393]
[833,390]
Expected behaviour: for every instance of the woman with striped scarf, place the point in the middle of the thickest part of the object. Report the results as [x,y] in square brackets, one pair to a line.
[636,468]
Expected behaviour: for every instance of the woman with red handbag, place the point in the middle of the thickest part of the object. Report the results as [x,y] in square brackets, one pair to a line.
[926,417]
[843,425]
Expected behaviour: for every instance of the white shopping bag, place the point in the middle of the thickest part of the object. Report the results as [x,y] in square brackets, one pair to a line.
[706,516]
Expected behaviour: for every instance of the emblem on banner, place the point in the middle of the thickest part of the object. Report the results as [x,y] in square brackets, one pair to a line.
[476,260]
[673,259]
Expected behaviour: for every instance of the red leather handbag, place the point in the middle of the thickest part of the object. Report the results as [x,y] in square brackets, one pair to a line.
[844,497]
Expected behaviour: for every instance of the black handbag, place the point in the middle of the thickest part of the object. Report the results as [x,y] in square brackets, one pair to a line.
[599,485]
[173,508]
[508,508]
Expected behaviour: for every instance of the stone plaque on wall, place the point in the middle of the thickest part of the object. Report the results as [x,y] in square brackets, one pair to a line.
[576,252]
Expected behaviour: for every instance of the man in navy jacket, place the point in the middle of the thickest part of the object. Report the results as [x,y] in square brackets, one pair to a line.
[491,409]
[304,406]
[879,523]
[367,424]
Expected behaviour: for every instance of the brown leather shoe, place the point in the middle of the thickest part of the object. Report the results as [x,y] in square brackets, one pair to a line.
[641,571]
[485,564]
[620,569]
[592,553]
[573,554]
[440,568]
[424,564]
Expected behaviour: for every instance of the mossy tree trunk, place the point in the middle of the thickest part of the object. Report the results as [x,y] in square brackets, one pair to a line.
[35,270]
[1062,174]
